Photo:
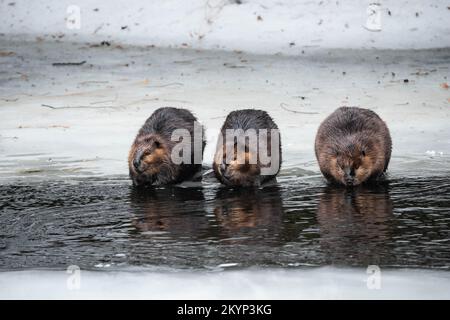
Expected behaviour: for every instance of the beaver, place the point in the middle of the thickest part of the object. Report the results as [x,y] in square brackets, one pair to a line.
[248,165]
[352,146]
[149,159]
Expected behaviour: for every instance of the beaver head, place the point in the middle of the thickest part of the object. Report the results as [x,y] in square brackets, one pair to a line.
[354,162]
[149,160]
[241,169]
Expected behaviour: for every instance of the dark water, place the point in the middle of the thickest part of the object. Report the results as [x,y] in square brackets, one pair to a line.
[92,222]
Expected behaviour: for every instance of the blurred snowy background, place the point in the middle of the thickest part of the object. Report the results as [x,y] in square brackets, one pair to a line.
[257,26]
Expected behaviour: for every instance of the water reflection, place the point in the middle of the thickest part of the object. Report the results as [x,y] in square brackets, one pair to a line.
[250,214]
[299,222]
[355,224]
[236,214]
[176,212]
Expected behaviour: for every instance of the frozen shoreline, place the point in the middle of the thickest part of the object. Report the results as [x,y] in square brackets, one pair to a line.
[317,283]
[106,100]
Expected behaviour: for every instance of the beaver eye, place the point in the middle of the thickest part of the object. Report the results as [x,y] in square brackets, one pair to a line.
[363,153]
[157,144]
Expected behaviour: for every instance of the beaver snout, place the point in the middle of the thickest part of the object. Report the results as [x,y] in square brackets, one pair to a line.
[349,181]
[234,174]
[226,170]
[223,168]
[137,162]
[349,176]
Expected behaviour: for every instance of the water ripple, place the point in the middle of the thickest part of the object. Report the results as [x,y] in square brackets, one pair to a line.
[299,221]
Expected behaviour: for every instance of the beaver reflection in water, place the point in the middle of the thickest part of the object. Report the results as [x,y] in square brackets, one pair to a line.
[245,166]
[353,145]
[356,224]
[150,161]
[173,210]
[257,212]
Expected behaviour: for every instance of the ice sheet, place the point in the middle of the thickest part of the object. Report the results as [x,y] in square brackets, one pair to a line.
[320,283]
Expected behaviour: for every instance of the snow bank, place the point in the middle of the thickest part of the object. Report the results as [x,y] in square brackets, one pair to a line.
[259,26]
[320,283]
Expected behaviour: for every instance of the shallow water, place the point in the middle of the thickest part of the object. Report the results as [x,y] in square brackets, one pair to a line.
[299,221]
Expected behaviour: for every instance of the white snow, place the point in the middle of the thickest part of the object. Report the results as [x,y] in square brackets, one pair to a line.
[258,26]
[317,283]
[433,153]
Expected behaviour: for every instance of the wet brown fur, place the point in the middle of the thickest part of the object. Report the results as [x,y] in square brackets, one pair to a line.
[248,173]
[352,146]
[152,148]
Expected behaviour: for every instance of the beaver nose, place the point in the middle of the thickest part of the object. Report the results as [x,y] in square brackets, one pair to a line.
[224,171]
[349,176]
[137,160]
[349,173]
[226,175]
[136,164]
